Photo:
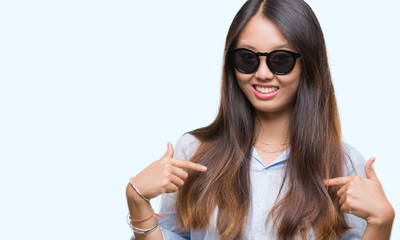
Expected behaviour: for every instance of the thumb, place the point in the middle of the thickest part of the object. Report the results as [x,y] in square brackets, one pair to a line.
[369,169]
[170,151]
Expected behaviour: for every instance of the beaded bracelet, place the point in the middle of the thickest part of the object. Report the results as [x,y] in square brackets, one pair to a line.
[146,199]
[141,220]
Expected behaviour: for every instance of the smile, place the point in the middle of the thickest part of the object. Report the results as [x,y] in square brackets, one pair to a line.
[266,89]
[265,92]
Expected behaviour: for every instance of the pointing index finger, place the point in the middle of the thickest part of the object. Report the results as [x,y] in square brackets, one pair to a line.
[339,181]
[188,165]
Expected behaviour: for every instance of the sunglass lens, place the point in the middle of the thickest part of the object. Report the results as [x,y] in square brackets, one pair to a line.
[245,61]
[281,62]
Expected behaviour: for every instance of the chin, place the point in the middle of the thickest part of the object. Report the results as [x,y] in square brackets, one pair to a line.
[271,109]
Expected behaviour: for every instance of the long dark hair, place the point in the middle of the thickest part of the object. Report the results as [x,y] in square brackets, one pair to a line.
[315,153]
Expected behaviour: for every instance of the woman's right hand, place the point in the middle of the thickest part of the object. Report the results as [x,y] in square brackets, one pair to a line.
[165,175]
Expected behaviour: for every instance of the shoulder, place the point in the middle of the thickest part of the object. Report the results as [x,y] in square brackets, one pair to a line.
[354,161]
[186,146]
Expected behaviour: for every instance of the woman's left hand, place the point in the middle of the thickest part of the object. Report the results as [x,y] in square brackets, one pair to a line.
[364,197]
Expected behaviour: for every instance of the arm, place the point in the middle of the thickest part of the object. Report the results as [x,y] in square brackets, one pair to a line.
[380,221]
[166,175]
[166,228]
[365,198]
[141,209]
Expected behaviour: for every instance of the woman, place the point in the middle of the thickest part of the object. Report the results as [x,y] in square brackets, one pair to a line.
[272,164]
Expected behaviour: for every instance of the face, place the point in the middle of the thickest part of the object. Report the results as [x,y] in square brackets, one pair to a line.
[266,91]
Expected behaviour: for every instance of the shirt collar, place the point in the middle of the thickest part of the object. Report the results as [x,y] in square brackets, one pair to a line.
[281,159]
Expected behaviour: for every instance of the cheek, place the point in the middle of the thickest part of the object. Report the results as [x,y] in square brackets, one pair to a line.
[289,86]
[243,79]
[293,79]
[297,70]
[292,85]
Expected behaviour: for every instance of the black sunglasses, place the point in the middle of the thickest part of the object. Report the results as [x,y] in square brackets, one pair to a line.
[280,62]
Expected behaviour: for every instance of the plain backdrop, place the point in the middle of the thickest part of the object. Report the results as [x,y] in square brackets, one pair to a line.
[91,91]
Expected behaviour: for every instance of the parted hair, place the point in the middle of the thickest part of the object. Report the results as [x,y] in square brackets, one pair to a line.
[316,151]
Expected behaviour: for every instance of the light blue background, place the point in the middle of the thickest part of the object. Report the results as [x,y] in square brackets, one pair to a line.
[91,91]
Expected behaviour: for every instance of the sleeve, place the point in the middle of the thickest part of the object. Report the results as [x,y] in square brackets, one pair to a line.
[184,149]
[354,166]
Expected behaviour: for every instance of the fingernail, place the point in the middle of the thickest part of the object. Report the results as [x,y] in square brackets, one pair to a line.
[204,168]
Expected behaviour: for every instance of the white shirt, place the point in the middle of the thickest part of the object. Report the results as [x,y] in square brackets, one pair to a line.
[265,183]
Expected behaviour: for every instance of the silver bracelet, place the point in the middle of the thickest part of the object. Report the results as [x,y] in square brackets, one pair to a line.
[145,198]
[140,230]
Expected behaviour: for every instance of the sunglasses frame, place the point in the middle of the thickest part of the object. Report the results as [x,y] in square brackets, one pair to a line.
[295,55]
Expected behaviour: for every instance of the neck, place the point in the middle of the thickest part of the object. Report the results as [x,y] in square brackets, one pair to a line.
[272,128]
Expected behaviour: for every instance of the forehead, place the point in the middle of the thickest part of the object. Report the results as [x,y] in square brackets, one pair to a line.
[262,35]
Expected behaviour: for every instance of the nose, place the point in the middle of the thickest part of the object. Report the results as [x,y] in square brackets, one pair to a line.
[263,72]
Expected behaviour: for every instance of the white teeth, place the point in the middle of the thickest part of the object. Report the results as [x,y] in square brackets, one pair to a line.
[266,90]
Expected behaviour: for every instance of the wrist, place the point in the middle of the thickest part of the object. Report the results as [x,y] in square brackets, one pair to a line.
[385,218]
[133,197]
